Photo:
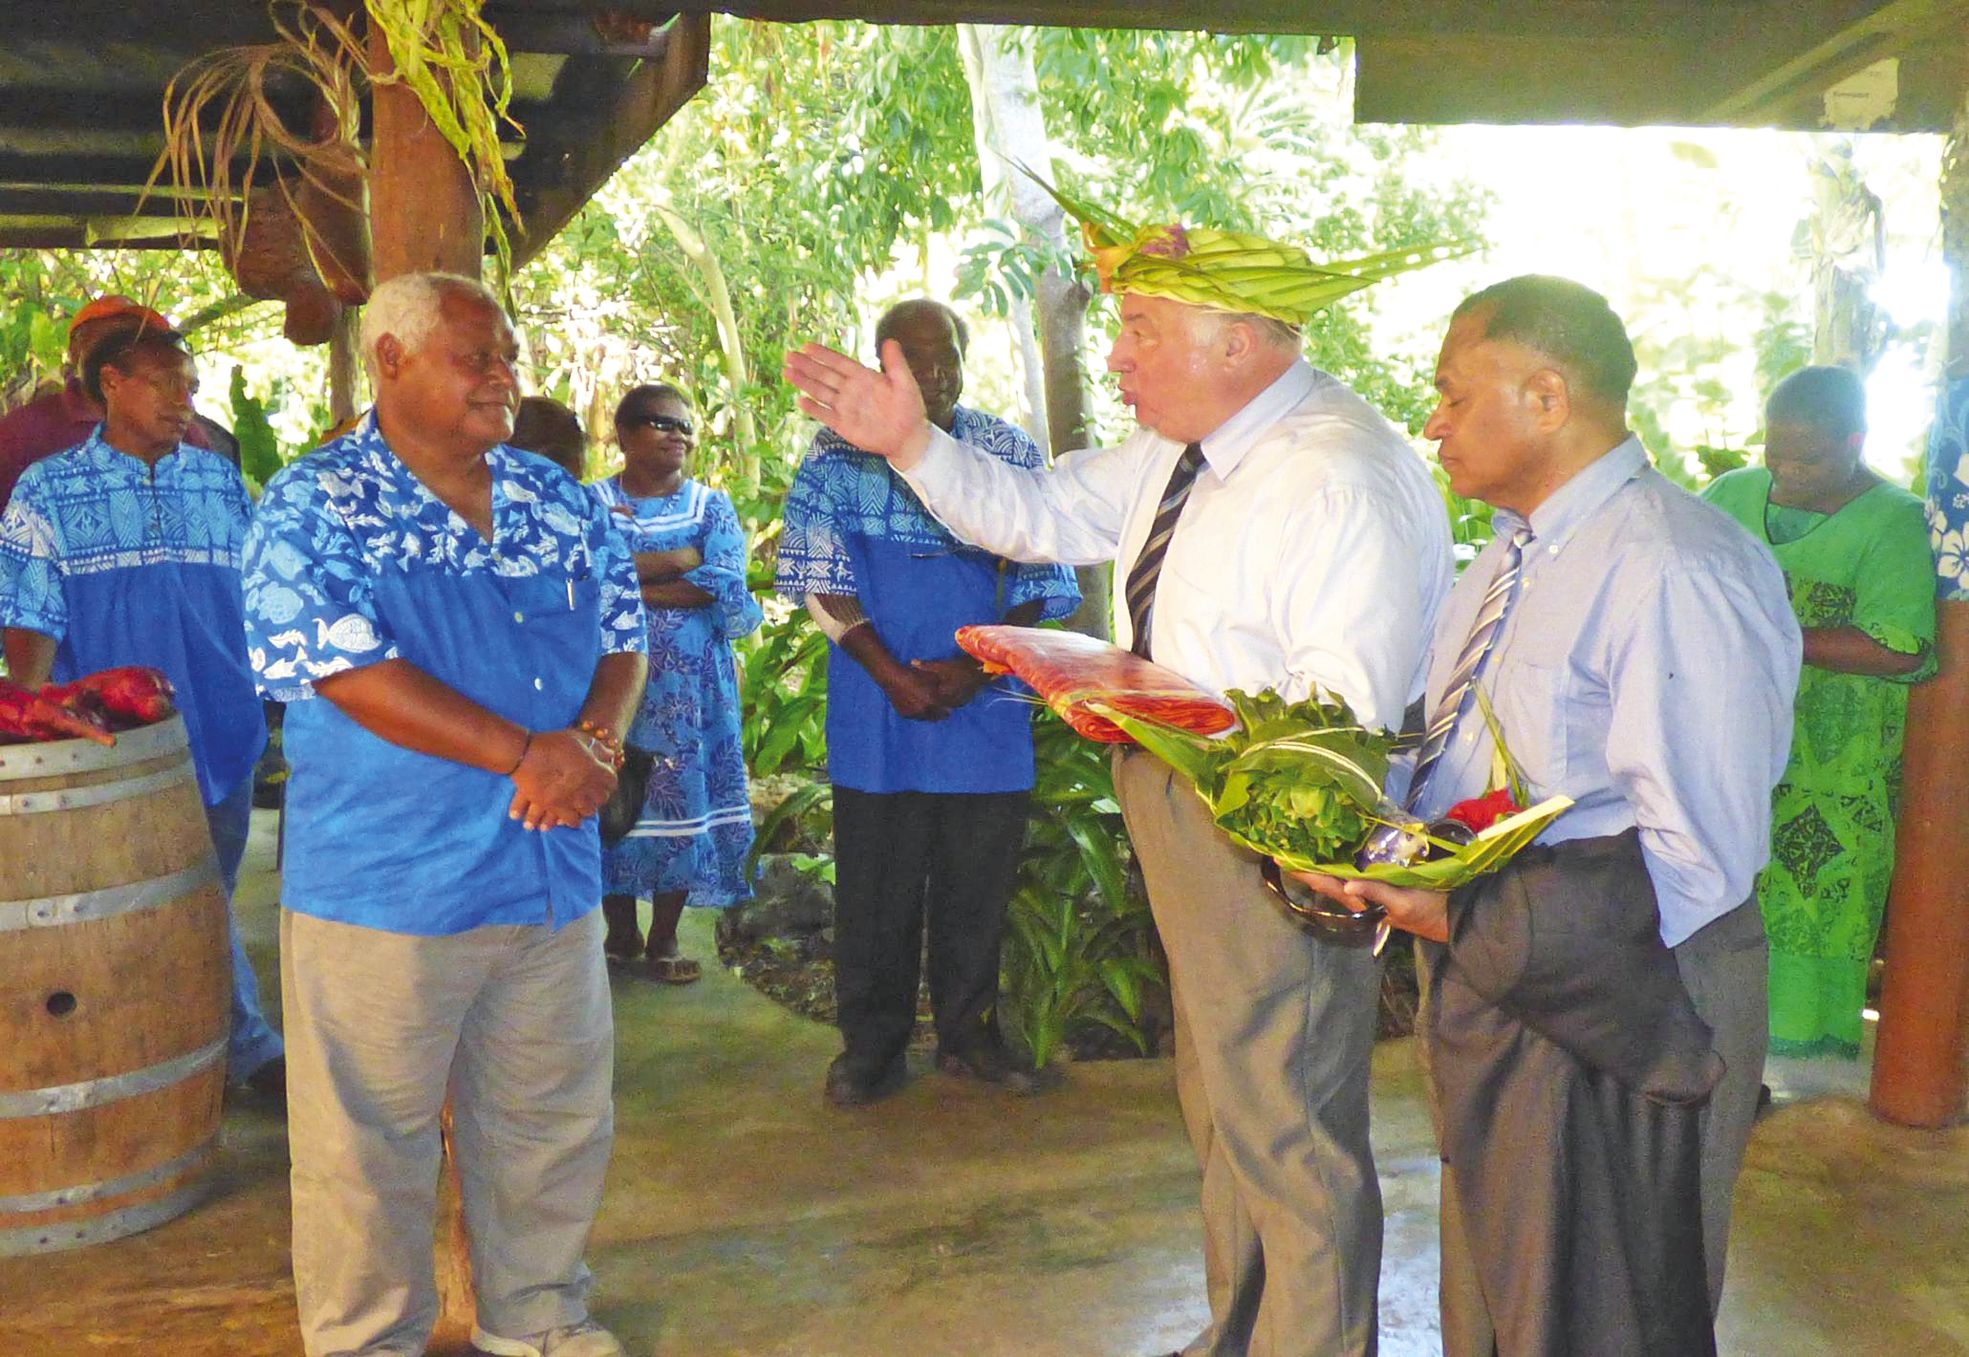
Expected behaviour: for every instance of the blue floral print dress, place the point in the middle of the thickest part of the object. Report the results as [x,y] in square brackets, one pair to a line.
[696,827]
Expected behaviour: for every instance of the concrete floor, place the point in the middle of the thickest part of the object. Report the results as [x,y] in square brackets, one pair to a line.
[745,1217]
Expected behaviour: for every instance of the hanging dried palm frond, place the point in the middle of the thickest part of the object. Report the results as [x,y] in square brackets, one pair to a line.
[252,159]
[456,64]
[443,51]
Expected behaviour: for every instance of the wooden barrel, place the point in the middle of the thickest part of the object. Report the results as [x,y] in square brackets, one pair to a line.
[115,989]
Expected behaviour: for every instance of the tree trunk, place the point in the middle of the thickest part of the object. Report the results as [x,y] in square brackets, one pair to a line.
[344,363]
[1011,127]
[731,345]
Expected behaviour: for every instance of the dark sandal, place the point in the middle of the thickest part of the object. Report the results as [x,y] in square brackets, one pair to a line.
[672,970]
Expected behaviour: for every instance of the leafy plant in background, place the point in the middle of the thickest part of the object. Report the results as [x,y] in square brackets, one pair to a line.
[259,447]
[1469,520]
[783,695]
[1080,951]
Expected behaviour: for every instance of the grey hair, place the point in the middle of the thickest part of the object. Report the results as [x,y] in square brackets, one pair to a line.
[1271,331]
[409,306]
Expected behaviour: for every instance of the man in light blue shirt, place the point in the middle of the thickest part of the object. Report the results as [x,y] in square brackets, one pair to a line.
[1644,665]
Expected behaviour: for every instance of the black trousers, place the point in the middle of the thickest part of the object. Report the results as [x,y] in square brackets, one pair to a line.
[900,857]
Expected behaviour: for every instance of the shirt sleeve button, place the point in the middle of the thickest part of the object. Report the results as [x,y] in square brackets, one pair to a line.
[536,685]
[519,617]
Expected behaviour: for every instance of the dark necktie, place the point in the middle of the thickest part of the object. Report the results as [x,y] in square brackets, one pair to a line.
[1484,630]
[1140,593]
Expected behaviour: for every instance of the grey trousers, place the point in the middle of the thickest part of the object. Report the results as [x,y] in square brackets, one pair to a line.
[1274,1033]
[1723,967]
[515,1021]
[1726,969]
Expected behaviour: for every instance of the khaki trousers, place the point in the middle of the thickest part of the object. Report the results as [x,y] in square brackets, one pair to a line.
[515,1021]
[1274,1031]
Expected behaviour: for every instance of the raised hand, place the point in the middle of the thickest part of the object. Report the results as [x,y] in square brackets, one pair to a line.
[880,412]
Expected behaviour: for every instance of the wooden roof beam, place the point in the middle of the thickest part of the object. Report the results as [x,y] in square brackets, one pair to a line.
[1882,31]
[123,233]
[1577,19]
[78,201]
[645,101]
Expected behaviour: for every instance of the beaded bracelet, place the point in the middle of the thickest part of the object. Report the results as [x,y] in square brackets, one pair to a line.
[610,742]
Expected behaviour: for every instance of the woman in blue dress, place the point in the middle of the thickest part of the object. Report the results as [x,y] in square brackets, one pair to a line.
[691,840]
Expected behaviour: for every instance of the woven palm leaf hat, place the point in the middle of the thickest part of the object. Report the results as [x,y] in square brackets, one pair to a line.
[1229,270]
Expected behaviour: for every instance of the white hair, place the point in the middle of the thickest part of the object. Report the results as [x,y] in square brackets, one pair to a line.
[1272,332]
[409,306]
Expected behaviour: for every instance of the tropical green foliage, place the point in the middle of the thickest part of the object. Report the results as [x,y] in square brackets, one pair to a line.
[1300,779]
[783,689]
[259,448]
[1080,952]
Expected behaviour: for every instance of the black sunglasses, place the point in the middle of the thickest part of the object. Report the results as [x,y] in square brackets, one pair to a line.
[661,423]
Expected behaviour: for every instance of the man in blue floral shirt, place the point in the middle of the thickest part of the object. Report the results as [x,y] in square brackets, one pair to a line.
[931,764]
[125,551]
[458,631]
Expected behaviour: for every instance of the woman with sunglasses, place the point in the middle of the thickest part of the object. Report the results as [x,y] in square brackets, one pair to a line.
[691,838]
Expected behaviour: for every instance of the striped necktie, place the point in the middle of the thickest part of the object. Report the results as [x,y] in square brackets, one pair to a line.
[1470,661]
[1140,592]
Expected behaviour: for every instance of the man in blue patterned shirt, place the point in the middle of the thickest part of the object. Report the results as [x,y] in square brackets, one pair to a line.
[125,550]
[458,631]
[931,764]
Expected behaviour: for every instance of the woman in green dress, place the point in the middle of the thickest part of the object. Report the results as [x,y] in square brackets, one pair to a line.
[1855,555]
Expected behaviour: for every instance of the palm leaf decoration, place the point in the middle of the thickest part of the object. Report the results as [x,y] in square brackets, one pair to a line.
[1230,270]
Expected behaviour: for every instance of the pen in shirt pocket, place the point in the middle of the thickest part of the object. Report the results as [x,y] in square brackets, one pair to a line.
[570,594]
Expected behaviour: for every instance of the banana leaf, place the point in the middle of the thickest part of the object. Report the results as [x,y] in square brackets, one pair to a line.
[1224,783]
[1486,853]
[1306,776]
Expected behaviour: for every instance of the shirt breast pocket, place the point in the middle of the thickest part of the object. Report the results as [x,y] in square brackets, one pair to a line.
[1530,698]
[556,597]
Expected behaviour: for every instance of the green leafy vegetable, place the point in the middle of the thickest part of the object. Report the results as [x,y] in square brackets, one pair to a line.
[1300,779]
[1302,783]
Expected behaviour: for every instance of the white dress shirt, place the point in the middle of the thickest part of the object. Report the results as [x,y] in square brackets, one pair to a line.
[1314,549]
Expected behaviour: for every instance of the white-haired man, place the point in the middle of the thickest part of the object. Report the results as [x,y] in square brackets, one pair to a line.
[1270,531]
[458,630]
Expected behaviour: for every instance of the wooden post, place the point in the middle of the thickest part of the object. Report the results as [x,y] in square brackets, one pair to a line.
[423,216]
[1918,1073]
[423,207]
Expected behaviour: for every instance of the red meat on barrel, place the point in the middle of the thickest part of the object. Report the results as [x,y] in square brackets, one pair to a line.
[122,699]
[1069,670]
[31,716]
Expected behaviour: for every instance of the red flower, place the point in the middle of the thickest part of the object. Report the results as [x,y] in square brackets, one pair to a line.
[1167,242]
[1481,812]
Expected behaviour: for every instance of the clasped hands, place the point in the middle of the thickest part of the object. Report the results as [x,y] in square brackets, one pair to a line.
[930,690]
[1423,913]
[563,777]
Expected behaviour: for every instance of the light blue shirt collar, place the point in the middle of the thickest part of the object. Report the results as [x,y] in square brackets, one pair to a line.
[1581,497]
[1225,446]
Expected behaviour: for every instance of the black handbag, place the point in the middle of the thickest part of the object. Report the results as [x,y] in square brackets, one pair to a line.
[625,803]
